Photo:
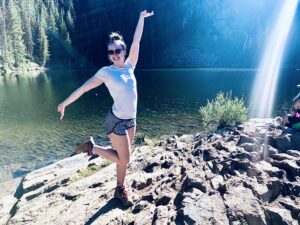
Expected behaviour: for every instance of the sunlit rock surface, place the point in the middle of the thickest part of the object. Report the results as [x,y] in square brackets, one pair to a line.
[239,175]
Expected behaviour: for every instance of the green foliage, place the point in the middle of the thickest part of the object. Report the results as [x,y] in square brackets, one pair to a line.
[223,111]
[25,27]
[42,46]
[139,139]
[14,32]
[3,42]
[88,171]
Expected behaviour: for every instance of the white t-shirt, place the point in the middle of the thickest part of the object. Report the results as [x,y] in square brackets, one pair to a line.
[121,84]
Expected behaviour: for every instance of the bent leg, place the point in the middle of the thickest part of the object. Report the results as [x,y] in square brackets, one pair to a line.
[107,153]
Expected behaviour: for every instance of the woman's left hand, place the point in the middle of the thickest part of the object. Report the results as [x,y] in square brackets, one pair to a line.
[145,14]
[61,110]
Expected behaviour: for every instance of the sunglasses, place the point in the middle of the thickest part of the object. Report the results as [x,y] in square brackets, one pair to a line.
[117,51]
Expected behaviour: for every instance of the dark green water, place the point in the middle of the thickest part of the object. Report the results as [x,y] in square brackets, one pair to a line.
[31,134]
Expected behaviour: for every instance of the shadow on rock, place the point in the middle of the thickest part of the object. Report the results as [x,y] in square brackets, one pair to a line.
[111,204]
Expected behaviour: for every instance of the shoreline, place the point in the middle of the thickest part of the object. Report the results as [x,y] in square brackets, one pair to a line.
[38,69]
[29,68]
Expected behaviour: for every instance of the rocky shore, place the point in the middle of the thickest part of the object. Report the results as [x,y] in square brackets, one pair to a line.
[249,174]
[27,68]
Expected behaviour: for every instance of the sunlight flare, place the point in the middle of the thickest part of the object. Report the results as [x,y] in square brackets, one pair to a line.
[263,91]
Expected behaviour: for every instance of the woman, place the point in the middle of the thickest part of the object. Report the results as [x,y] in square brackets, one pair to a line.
[293,120]
[120,120]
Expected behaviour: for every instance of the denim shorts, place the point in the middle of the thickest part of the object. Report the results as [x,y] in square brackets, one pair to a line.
[116,125]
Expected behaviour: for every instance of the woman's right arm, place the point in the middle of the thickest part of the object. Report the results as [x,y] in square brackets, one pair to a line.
[93,82]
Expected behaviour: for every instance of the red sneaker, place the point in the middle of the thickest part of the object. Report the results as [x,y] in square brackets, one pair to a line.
[122,194]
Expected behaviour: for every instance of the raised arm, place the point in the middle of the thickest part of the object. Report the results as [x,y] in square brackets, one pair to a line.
[88,85]
[135,46]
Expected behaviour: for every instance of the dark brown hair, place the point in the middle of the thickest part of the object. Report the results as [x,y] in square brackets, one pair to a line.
[116,36]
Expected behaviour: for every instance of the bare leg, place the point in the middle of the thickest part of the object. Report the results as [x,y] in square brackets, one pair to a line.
[122,145]
[107,153]
[131,133]
[121,155]
[121,170]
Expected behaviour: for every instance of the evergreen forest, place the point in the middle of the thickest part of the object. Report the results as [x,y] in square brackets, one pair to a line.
[185,33]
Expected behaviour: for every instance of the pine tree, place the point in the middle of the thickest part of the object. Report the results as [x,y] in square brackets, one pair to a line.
[3,36]
[25,26]
[26,12]
[42,44]
[15,33]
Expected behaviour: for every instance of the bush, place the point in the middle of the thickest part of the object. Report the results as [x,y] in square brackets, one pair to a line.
[223,111]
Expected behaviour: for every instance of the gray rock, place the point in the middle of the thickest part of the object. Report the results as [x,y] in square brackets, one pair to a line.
[242,201]
[214,137]
[6,204]
[245,139]
[209,154]
[254,172]
[194,180]
[54,173]
[145,217]
[249,147]
[270,140]
[275,187]
[270,170]
[284,143]
[296,140]
[220,146]
[283,156]
[292,205]
[240,127]
[294,153]
[217,182]
[277,216]
[163,216]
[201,208]
[140,206]
[140,184]
[292,169]
[266,192]
[268,151]
[291,188]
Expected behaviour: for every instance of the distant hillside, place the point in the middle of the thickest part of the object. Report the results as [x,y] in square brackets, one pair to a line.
[186,33]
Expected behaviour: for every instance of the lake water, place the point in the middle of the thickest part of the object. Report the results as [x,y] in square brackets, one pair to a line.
[31,134]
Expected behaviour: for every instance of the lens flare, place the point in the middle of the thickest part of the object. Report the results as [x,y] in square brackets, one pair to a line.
[264,88]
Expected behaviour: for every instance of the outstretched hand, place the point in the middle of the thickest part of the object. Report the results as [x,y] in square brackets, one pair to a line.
[145,14]
[61,110]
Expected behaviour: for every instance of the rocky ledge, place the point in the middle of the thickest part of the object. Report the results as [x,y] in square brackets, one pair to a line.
[244,175]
